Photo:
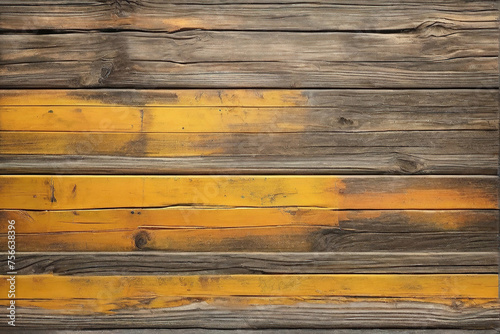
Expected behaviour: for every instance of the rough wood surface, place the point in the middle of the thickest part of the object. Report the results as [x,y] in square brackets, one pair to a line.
[390,163]
[253,301]
[271,131]
[434,56]
[165,90]
[284,15]
[235,313]
[257,145]
[352,100]
[213,263]
[242,229]
[338,192]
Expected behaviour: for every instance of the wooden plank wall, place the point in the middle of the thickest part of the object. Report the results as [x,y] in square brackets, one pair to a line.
[212,165]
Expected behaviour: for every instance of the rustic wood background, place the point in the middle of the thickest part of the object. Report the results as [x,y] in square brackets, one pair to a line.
[252,165]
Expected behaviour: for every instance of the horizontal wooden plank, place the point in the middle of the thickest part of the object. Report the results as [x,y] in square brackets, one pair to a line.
[243,301]
[264,312]
[245,15]
[248,229]
[366,163]
[355,100]
[267,239]
[160,263]
[434,56]
[381,286]
[193,97]
[237,120]
[257,145]
[349,192]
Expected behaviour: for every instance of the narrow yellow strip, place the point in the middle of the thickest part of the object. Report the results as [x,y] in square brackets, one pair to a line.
[411,286]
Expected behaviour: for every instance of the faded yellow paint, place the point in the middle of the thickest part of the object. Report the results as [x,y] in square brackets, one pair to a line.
[447,220]
[247,239]
[179,229]
[103,143]
[84,192]
[423,199]
[174,218]
[111,293]
[203,229]
[150,119]
[179,98]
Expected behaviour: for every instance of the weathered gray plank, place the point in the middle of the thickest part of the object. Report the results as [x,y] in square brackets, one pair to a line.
[434,56]
[366,163]
[251,144]
[161,263]
[226,313]
[282,15]
[456,152]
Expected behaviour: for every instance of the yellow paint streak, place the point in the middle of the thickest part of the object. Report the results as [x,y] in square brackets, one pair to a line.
[151,119]
[168,218]
[203,229]
[74,192]
[179,229]
[117,292]
[191,97]
[81,192]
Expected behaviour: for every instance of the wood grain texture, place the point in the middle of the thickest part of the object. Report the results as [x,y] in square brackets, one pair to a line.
[389,163]
[170,91]
[272,131]
[249,229]
[355,100]
[442,301]
[284,15]
[227,263]
[346,192]
[434,56]
[348,285]
[236,313]
[140,119]
[257,145]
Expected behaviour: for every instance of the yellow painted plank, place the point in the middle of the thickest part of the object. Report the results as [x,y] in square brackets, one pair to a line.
[140,119]
[198,217]
[219,229]
[321,285]
[350,192]
[152,119]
